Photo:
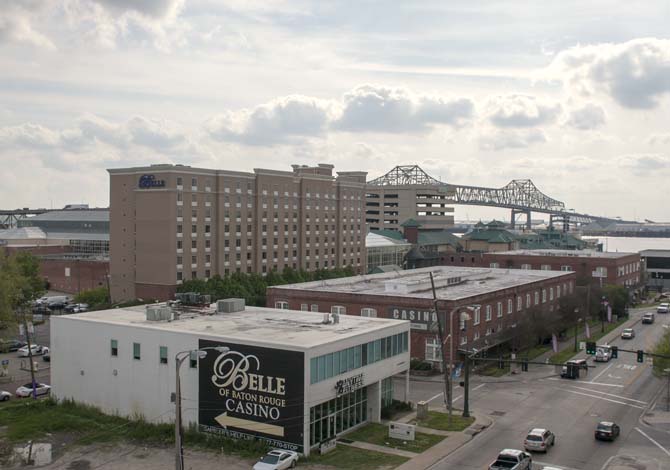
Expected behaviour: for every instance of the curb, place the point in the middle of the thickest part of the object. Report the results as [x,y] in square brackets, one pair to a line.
[651,405]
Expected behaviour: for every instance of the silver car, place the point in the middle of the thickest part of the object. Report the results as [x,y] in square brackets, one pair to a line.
[628,333]
[539,439]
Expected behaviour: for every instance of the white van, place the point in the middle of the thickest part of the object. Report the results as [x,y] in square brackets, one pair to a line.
[603,353]
[663,308]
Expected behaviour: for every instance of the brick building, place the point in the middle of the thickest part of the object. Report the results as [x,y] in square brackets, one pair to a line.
[169,223]
[499,297]
[600,268]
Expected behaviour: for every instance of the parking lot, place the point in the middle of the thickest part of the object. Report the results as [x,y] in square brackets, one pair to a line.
[17,368]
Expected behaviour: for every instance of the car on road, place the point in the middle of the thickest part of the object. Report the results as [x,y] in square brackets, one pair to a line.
[539,439]
[11,345]
[5,396]
[648,318]
[512,459]
[571,368]
[663,308]
[36,350]
[627,333]
[603,353]
[27,390]
[607,431]
[277,460]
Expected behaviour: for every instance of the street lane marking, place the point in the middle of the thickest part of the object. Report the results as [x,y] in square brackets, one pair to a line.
[591,383]
[653,441]
[438,395]
[604,399]
[616,377]
[609,394]
[601,373]
[553,465]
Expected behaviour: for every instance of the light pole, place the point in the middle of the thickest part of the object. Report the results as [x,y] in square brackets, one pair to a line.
[463,317]
[577,327]
[179,358]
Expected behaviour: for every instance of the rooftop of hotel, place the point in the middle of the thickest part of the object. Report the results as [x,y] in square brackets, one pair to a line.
[565,253]
[451,282]
[297,330]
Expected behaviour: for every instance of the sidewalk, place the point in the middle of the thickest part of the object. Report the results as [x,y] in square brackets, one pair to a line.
[658,414]
[452,442]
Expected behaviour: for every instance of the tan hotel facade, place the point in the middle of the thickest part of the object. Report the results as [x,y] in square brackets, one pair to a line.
[169,223]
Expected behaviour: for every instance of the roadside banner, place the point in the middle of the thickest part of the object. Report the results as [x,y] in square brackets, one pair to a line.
[609,313]
[588,330]
[554,343]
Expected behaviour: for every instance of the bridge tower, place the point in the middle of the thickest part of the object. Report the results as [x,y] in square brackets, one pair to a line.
[522,212]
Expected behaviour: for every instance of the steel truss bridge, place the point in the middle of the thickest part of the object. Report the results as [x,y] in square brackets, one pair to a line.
[521,196]
[10,218]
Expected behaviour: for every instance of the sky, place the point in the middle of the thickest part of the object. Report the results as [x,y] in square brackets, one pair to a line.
[574,95]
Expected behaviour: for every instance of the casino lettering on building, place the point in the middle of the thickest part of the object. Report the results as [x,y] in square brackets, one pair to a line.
[494,301]
[292,379]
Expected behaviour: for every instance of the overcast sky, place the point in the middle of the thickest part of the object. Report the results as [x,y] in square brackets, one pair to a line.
[574,95]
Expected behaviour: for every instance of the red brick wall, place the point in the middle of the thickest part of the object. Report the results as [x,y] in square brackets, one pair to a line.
[382,303]
[155,292]
[84,274]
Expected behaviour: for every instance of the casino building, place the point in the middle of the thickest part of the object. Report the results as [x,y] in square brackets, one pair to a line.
[294,379]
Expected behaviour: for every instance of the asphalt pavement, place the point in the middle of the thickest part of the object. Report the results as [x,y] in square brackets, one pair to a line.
[621,390]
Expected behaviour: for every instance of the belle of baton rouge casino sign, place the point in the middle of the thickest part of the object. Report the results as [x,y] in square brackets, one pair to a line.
[251,391]
[150,181]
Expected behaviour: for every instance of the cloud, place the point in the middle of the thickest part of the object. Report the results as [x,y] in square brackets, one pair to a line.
[659,139]
[29,135]
[159,9]
[282,120]
[643,164]
[636,74]
[377,109]
[15,24]
[497,139]
[590,116]
[514,111]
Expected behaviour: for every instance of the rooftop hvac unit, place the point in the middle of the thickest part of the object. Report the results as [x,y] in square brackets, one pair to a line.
[159,313]
[230,305]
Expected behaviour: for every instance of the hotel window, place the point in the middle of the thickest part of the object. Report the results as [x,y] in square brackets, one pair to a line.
[180,228]
[281,305]
[194,182]
[207,228]
[551,293]
[194,244]
[499,309]
[208,243]
[115,347]
[136,351]
[478,315]
[510,305]
[488,313]
[180,260]
[194,228]
[194,275]
[314,308]
[179,276]
[519,303]
[163,354]
[544,295]
[369,312]
[338,309]
[537,297]
[528,304]
[180,196]
[180,181]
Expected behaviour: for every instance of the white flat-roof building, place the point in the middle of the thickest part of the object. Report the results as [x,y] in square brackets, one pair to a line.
[292,378]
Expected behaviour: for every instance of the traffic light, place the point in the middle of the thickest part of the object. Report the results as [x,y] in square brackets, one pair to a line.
[591,347]
[615,352]
[640,355]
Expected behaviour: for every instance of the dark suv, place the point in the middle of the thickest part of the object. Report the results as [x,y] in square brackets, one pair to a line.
[607,431]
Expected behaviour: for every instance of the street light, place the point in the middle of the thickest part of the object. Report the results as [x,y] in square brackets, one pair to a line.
[577,327]
[179,358]
[463,318]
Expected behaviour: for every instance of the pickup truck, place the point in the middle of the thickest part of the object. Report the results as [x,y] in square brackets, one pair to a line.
[512,459]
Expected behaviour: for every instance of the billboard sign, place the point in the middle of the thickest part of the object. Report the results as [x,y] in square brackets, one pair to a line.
[419,319]
[150,181]
[252,392]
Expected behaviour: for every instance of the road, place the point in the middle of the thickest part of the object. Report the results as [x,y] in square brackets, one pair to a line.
[619,390]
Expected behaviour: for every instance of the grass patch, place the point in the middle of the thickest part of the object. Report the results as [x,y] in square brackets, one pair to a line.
[439,420]
[378,434]
[351,458]
[31,420]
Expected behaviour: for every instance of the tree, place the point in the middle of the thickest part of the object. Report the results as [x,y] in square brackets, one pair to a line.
[20,283]
[617,296]
[97,299]
[662,347]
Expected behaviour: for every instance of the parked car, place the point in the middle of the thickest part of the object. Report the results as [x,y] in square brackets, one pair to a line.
[539,439]
[76,308]
[5,396]
[36,350]
[27,390]
[11,345]
[512,459]
[663,308]
[46,357]
[648,318]
[607,431]
[277,460]
[627,333]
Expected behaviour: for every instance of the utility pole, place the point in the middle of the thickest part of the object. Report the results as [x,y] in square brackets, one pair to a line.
[466,386]
[440,330]
[30,352]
